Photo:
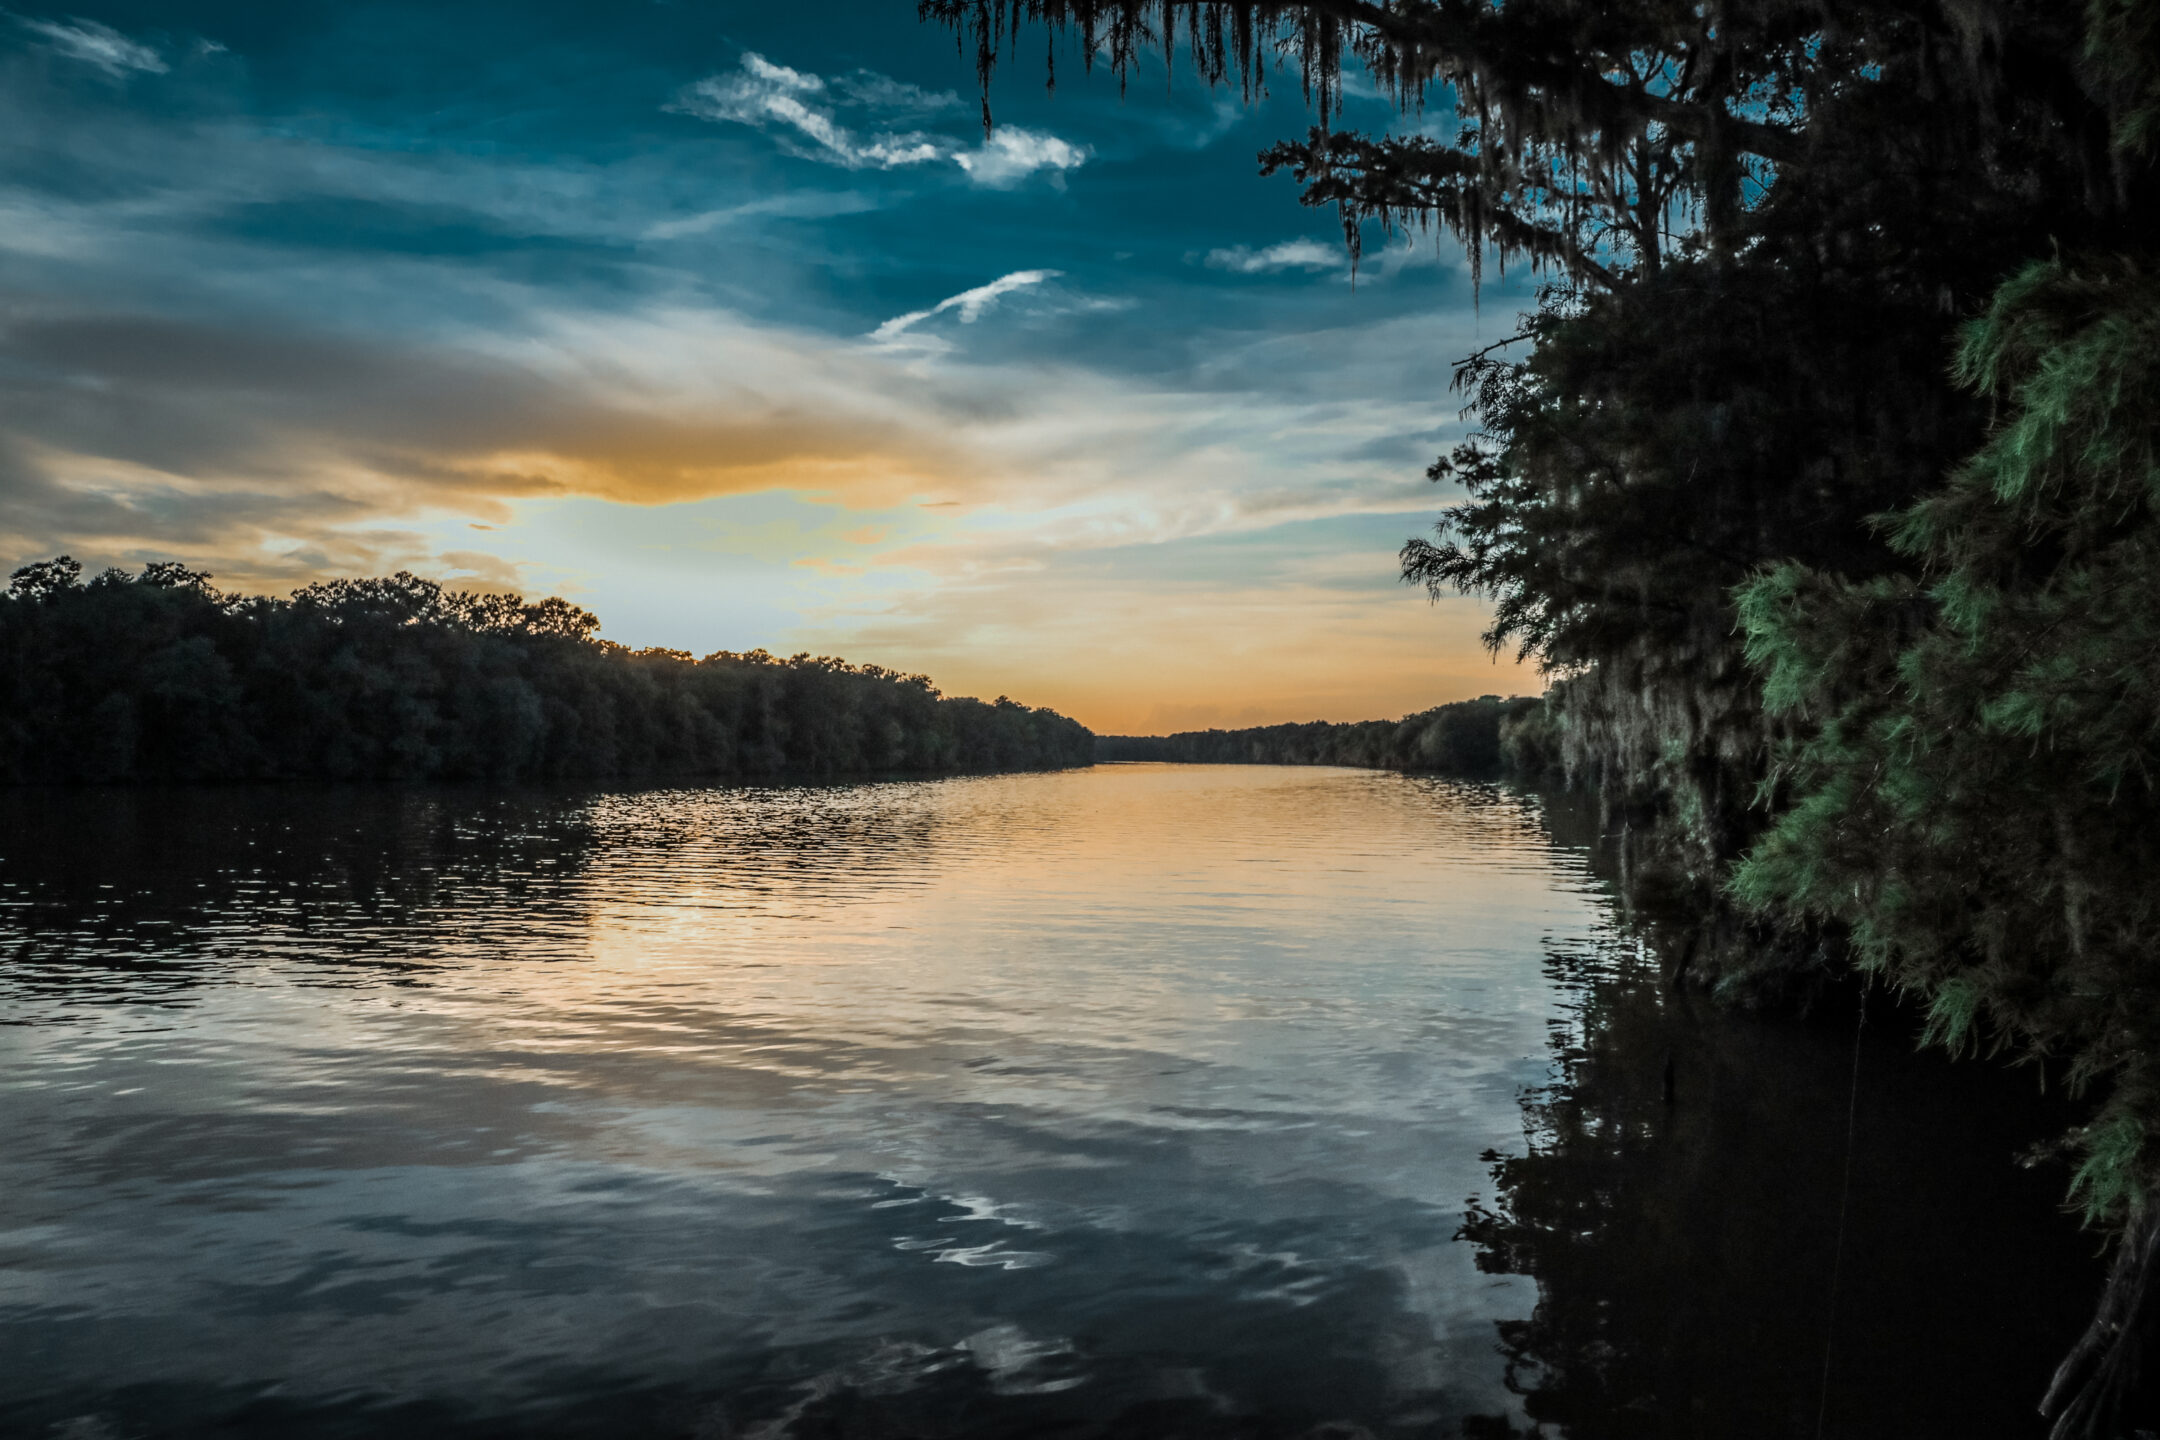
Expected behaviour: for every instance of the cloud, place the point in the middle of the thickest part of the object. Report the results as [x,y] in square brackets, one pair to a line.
[180,378]
[805,108]
[780,77]
[1012,154]
[270,454]
[765,95]
[881,92]
[273,453]
[95,44]
[1289,255]
[970,303]
[794,205]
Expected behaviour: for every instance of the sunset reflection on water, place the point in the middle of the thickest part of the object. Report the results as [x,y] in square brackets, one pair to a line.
[1140,1091]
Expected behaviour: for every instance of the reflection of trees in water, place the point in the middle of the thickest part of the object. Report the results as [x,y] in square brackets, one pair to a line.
[1496,818]
[147,892]
[761,840]
[1677,1203]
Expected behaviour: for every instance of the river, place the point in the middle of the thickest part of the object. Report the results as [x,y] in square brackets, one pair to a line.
[1140,1100]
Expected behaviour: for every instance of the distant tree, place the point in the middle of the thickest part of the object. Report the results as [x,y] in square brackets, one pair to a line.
[1466,737]
[46,580]
[161,677]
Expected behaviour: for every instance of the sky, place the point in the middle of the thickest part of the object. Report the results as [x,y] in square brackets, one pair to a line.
[730,324]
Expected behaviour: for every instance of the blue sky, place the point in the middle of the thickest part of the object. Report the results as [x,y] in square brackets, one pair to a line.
[729,323]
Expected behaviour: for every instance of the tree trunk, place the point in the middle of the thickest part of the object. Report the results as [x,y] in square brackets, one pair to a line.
[2100,1379]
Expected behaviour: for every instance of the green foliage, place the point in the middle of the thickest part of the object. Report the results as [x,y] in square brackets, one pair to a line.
[1975,804]
[1531,746]
[161,677]
[2122,55]
[1660,440]
[1649,452]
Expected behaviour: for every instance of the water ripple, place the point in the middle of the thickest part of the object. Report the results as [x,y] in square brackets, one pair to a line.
[1135,1087]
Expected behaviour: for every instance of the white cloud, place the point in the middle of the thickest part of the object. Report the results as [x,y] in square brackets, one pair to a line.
[780,76]
[970,303]
[1289,255]
[1012,154]
[881,92]
[767,95]
[98,45]
[794,205]
[805,107]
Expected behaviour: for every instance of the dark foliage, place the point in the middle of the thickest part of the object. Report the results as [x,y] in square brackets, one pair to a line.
[1754,401]
[1469,738]
[1976,784]
[1603,139]
[158,676]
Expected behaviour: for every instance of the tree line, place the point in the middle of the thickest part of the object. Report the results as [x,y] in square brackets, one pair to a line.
[1823,478]
[1480,739]
[159,676]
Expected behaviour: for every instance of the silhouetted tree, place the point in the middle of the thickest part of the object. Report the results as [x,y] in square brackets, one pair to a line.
[1468,738]
[159,676]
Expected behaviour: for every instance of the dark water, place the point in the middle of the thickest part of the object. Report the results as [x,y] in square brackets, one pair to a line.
[1145,1100]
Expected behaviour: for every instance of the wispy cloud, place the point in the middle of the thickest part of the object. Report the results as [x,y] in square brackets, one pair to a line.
[970,303]
[766,95]
[794,205]
[1289,255]
[95,44]
[806,108]
[881,92]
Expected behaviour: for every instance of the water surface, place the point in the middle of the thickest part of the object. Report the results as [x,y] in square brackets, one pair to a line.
[1140,1100]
